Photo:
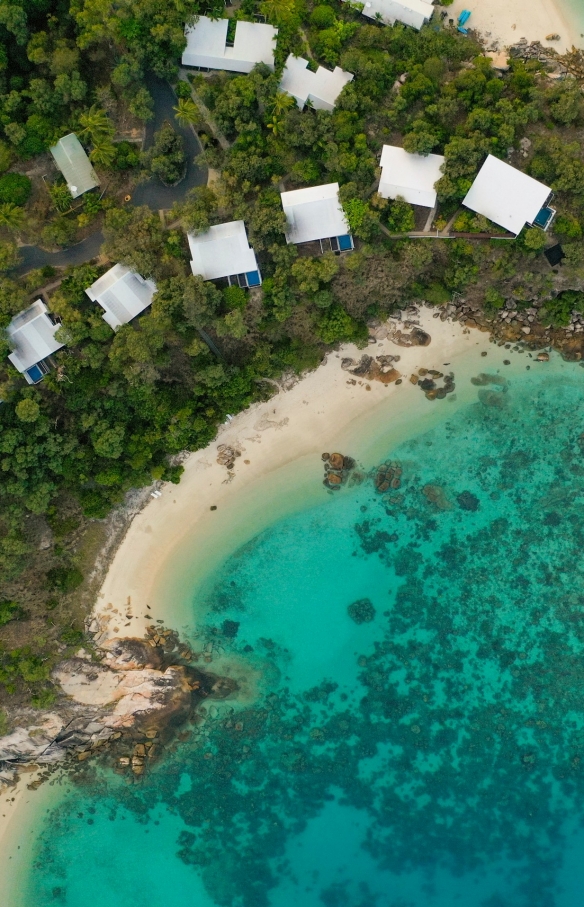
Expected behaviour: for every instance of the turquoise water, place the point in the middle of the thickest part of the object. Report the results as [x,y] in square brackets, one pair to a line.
[429,757]
[574,13]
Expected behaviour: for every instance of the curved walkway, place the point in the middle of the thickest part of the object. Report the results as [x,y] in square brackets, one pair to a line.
[152,192]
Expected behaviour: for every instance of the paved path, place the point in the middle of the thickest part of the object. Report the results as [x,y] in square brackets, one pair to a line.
[152,192]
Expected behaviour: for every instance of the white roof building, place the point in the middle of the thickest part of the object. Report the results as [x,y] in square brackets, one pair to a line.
[411,176]
[31,335]
[507,196]
[122,294]
[316,214]
[321,88]
[224,251]
[207,45]
[410,12]
[71,159]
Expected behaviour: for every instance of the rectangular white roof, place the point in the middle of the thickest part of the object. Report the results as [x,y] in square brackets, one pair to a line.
[506,196]
[322,87]
[31,334]
[410,175]
[410,12]
[71,159]
[223,251]
[314,213]
[122,294]
[206,45]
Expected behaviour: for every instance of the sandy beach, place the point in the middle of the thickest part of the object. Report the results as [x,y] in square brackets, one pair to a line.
[502,23]
[318,413]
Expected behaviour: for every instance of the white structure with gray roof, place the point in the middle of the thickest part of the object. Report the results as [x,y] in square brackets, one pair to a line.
[122,294]
[509,197]
[224,252]
[410,176]
[321,88]
[72,161]
[410,12]
[314,214]
[207,45]
[31,335]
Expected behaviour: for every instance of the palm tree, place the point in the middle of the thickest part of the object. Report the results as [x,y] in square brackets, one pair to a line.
[103,153]
[281,103]
[11,216]
[277,11]
[96,124]
[187,112]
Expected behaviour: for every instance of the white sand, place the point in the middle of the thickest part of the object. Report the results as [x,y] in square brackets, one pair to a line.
[507,22]
[302,422]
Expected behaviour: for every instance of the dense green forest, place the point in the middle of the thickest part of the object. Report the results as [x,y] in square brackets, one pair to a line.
[119,408]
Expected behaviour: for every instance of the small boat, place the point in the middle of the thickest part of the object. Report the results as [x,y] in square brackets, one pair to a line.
[464,17]
[552,37]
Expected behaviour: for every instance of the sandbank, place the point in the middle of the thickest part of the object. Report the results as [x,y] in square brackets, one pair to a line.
[323,411]
[504,22]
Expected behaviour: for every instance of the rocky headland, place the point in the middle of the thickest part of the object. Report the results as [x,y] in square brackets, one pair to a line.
[126,698]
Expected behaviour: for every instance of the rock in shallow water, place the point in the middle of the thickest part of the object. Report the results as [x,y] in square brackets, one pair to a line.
[361,611]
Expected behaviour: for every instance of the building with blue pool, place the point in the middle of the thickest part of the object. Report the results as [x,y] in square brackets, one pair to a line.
[31,334]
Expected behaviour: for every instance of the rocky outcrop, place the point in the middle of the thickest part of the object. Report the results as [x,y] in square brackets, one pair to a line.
[337,469]
[128,688]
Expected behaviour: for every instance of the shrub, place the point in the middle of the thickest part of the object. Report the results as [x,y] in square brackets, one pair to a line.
[64,579]
[166,159]
[337,325]
[15,188]
[436,294]
[559,310]
[323,17]
[44,699]
[127,156]
[10,611]
[72,637]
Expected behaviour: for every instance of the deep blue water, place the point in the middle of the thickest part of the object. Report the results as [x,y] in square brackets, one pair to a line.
[429,757]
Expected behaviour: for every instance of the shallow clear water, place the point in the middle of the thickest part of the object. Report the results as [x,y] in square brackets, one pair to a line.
[429,757]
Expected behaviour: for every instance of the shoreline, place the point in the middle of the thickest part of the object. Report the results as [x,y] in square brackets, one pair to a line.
[503,23]
[319,410]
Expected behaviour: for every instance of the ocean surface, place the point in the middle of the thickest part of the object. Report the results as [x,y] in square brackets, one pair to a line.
[417,737]
[573,10]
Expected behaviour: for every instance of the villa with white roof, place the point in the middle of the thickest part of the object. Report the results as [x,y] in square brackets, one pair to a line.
[70,157]
[410,12]
[410,176]
[223,252]
[122,294]
[210,46]
[315,215]
[321,88]
[31,335]
[509,197]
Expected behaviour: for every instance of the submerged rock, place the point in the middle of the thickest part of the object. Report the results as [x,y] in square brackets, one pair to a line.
[361,611]
[435,495]
[468,501]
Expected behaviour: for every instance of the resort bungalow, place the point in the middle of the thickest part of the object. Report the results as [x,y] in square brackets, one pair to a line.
[315,215]
[410,12]
[321,88]
[223,252]
[229,44]
[122,294]
[509,197]
[411,176]
[71,159]
[31,335]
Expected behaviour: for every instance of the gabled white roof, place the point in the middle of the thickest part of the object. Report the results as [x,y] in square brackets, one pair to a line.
[223,251]
[71,159]
[506,196]
[206,45]
[314,213]
[122,294]
[31,334]
[410,175]
[322,87]
[410,12]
